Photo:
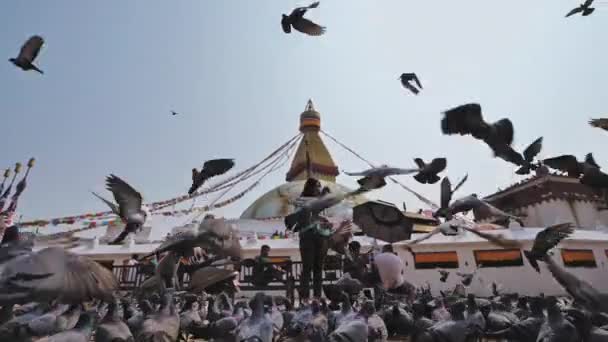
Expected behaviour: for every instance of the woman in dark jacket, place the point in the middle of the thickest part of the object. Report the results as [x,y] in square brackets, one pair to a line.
[314,234]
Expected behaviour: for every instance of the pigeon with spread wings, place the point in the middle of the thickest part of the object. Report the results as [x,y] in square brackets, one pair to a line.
[28,53]
[428,172]
[297,21]
[599,123]
[569,164]
[211,168]
[545,240]
[407,78]
[129,206]
[585,9]
[54,274]
[526,160]
[373,178]
[446,196]
[467,119]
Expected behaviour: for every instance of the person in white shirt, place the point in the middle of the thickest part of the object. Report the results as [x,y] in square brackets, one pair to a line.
[390,268]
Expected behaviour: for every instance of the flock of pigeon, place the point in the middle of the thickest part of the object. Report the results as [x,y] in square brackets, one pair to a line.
[54,295]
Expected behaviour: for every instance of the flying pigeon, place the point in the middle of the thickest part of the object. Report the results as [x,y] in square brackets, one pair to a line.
[54,274]
[211,168]
[406,78]
[467,119]
[297,21]
[374,178]
[27,55]
[173,113]
[546,240]
[446,195]
[569,164]
[585,8]
[528,157]
[129,206]
[467,278]
[313,207]
[428,172]
[599,123]
[443,275]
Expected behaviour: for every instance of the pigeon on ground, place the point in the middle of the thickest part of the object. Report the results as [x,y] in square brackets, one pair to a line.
[297,21]
[443,275]
[467,119]
[129,206]
[585,8]
[28,53]
[428,172]
[599,123]
[211,168]
[407,78]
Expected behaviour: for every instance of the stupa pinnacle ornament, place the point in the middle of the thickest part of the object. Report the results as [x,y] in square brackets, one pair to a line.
[312,157]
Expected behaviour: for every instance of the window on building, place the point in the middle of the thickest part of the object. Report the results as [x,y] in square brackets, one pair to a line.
[578,258]
[428,260]
[498,258]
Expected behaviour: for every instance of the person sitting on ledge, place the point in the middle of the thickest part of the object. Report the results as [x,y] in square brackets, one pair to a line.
[264,272]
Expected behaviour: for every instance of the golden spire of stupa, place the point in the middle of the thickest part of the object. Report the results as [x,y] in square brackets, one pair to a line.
[312,159]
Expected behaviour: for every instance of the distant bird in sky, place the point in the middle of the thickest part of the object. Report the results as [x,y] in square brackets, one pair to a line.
[599,123]
[297,21]
[211,168]
[28,53]
[585,8]
[428,172]
[467,119]
[129,206]
[406,78]
[173,113]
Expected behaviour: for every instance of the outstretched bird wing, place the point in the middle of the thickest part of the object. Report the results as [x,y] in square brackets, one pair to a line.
[112,206]
[446,192]
[599,123]
[464,119]
[211,168]
[31,48]
[565,163]
[55,274]
[415,79]
[590,160]
[216,167]
[464,179]
[285,24]
[574,11]
[550,237]
[308,27]
[588,3]
[533,150]
[437,165]
[410,87]
[128,199]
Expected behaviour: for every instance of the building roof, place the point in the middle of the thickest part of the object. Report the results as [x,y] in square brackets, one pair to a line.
[538,189]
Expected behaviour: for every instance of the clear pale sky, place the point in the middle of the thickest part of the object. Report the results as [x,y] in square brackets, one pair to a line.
[114,70]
